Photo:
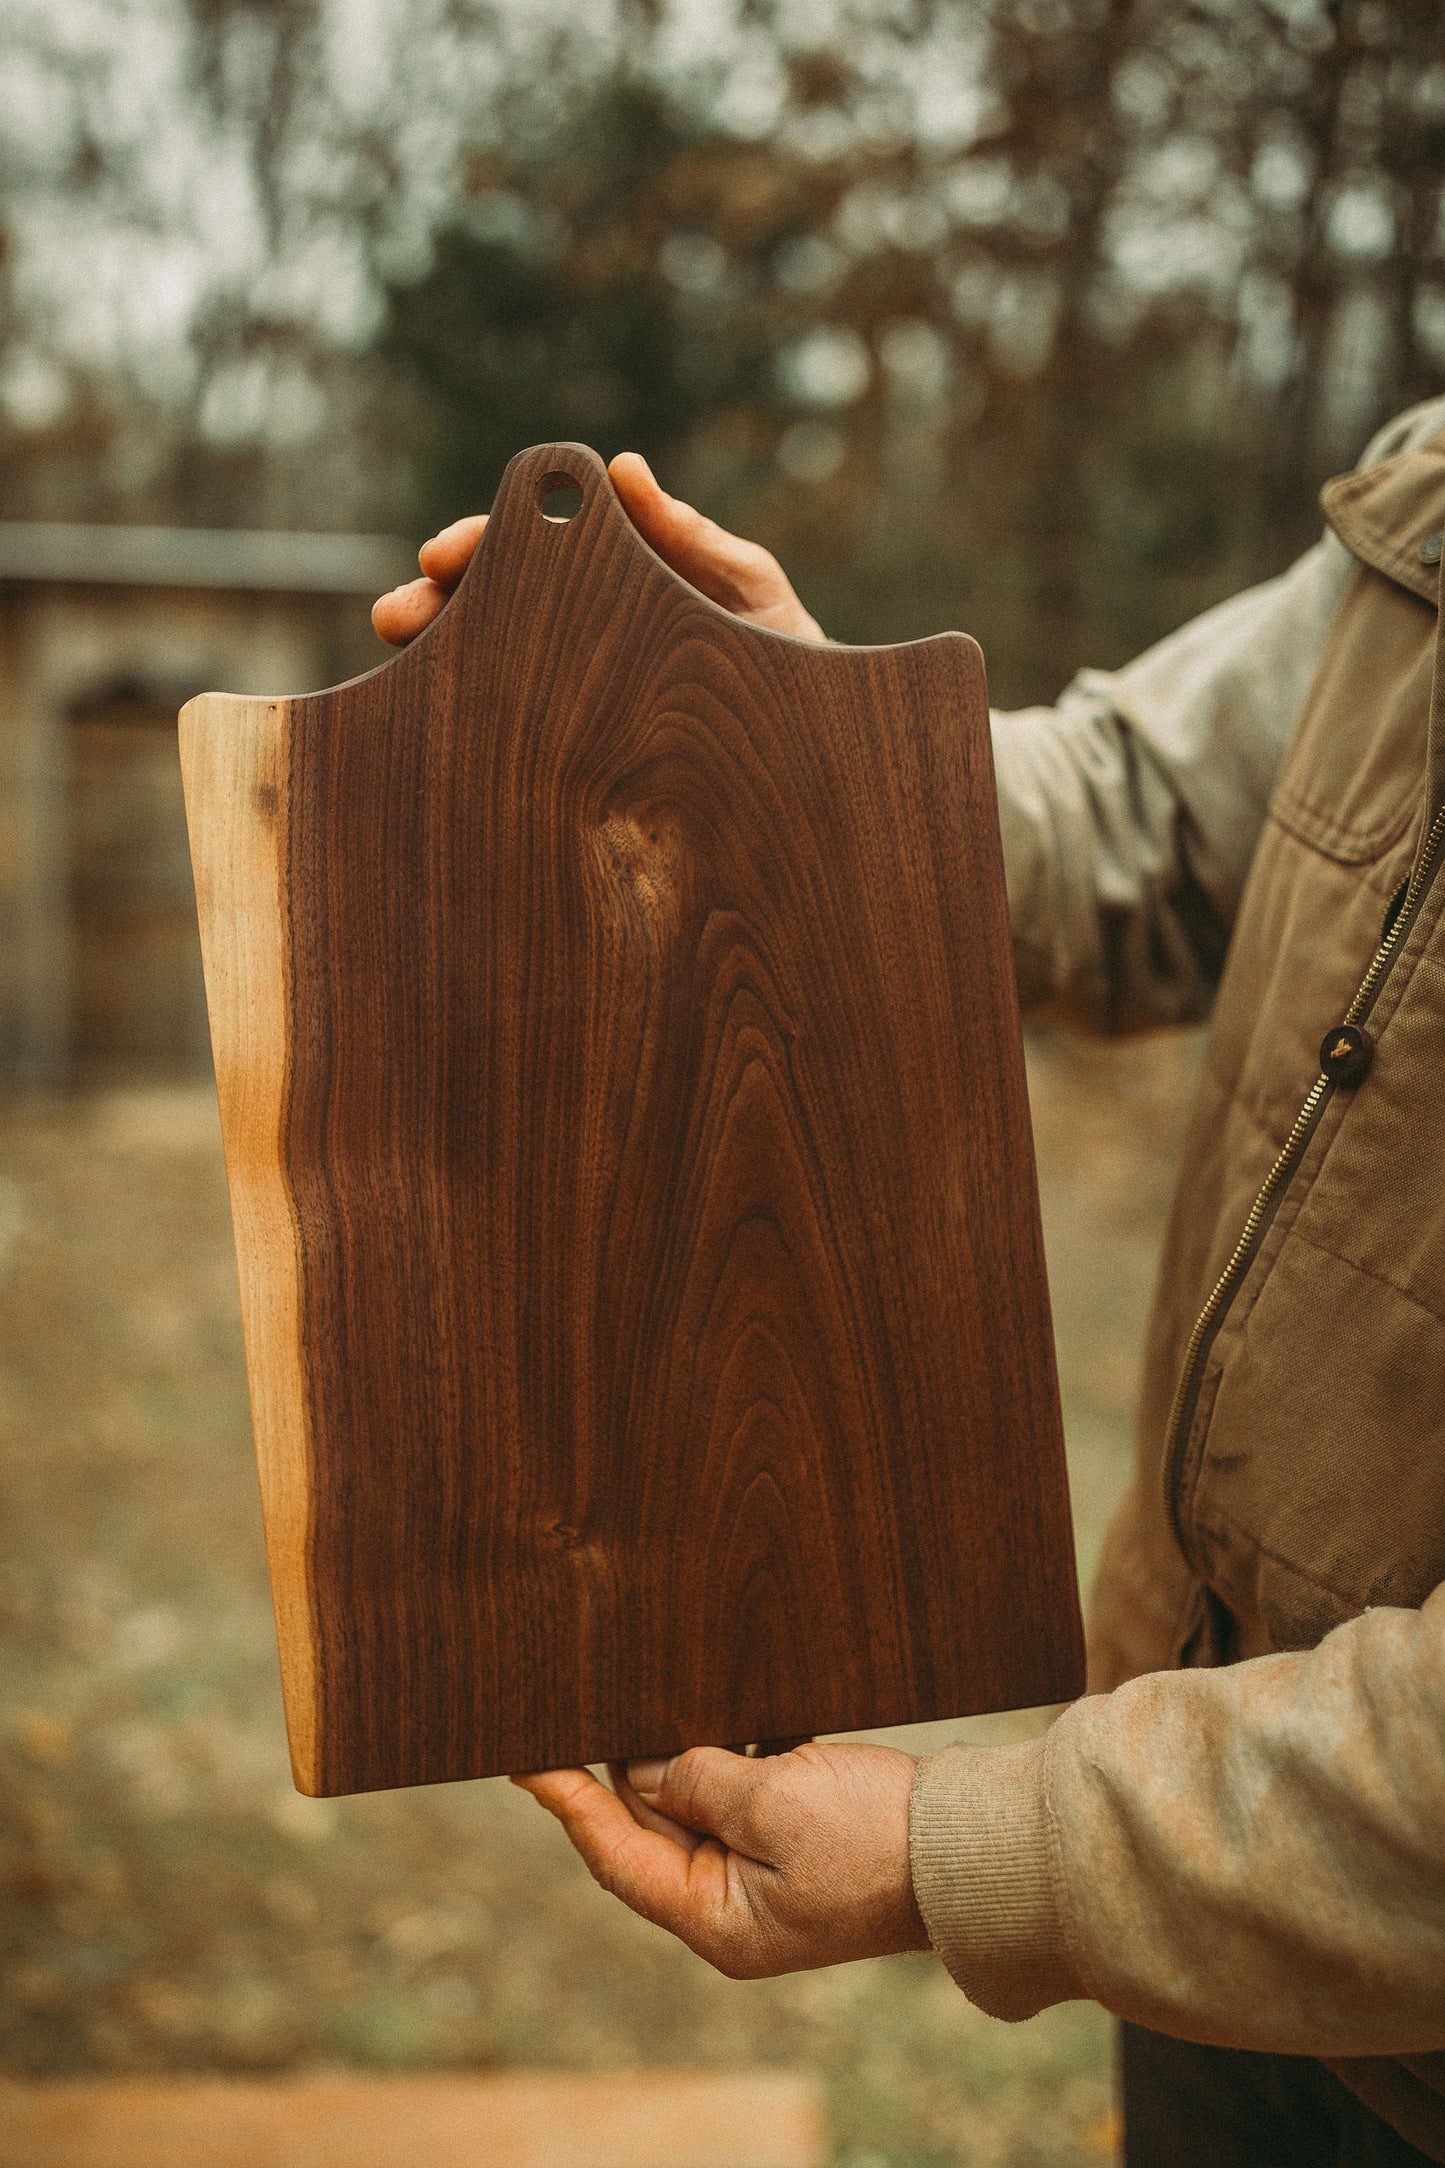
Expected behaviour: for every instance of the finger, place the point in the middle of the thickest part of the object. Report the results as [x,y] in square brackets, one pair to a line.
[711,1790]
[683,1891]
[406,611]
[648,1817]
[446,557]
[740,575]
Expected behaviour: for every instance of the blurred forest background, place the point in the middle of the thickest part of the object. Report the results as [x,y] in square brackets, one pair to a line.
[1040,317]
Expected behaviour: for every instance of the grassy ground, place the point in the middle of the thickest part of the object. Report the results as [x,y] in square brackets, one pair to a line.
[170,1903]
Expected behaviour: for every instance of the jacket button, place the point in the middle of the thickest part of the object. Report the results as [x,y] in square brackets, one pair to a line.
[1432,549]
[1346,1053]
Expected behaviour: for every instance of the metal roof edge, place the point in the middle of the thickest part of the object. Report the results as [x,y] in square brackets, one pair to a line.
[208,557]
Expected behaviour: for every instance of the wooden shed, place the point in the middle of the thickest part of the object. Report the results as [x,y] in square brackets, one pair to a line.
[104,632]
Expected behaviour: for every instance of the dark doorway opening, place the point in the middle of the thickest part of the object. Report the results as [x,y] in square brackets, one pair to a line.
[137,1000]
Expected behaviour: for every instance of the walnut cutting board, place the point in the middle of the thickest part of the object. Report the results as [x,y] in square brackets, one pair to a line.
[633,1187]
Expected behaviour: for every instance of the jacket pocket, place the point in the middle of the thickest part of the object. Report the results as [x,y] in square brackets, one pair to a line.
[1352,780]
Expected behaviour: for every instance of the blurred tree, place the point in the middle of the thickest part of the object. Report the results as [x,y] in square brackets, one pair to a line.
[1043,316]
[579,292]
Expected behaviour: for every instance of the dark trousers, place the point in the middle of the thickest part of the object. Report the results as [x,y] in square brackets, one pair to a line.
[1193,2107]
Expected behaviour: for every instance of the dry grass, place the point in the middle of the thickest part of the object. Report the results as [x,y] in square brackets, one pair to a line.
[172,1904]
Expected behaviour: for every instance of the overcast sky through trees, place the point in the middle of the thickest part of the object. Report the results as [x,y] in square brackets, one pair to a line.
[1134,274]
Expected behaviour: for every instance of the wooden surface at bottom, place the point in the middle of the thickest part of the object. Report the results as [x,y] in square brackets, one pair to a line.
[543,2119]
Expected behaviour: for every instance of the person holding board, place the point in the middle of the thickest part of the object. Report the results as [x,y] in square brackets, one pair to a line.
[1236,1841]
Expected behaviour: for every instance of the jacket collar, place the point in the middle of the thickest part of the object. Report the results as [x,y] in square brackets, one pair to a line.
[1386,515]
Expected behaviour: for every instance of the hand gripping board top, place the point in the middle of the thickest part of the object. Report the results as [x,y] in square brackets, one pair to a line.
[624,1112]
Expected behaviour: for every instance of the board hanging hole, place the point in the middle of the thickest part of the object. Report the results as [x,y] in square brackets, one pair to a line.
[558,498]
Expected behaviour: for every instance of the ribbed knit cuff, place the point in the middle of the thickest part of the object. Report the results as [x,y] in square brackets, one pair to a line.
[986,1877]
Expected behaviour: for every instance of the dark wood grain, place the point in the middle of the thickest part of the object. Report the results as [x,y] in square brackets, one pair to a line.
[670,1303]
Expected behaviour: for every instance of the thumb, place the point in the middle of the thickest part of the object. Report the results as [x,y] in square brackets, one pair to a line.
[660,519]
[707,1789]
[720,564]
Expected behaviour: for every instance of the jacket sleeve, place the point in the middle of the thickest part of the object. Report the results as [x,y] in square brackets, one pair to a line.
[1253,1857]
[1130,811]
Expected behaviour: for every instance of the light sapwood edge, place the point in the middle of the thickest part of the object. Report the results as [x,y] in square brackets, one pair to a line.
[234,760]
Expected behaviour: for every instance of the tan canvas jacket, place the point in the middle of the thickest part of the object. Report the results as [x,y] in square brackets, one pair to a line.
[1241,1837]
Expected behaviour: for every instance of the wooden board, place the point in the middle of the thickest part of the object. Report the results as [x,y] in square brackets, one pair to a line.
[624,1111]
[498,2119]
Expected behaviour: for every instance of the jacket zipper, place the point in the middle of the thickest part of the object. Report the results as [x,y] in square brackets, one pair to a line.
[1262,1211]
